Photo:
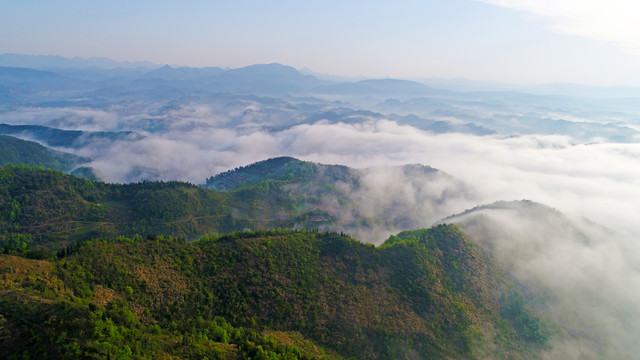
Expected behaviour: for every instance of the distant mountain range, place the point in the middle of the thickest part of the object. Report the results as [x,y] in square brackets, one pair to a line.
[100,68]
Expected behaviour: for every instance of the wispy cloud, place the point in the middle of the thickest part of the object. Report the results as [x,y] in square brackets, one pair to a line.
[614,21]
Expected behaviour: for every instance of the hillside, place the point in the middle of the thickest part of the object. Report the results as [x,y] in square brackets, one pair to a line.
[51,209]
[17,151]
[48,208]
[521,256]
[268,295]
[286,169]
[370,203]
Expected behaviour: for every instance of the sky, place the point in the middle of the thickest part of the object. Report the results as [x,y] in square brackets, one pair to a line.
[511,41]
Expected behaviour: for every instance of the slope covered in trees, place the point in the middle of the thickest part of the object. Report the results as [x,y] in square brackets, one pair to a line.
[370,203]
[266,295]
[42,207]
[17,151]
[45,207]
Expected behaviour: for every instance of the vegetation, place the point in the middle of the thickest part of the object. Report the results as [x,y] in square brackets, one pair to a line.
[41,207]
[64,138]
[47,208]
[17,151]
[263,295]
[85,275]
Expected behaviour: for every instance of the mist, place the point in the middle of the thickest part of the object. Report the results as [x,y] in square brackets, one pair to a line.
[580,275]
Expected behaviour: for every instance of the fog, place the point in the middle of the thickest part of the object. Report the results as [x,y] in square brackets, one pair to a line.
[582,276]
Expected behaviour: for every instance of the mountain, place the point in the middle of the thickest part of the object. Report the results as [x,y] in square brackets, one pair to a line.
[182,73]
[53,210]
[29,80]
[282,168]
[16,151]
[390,87]
[349,116]
[264,79]
[496,113]
[510,280]
[368,203]
[266,295]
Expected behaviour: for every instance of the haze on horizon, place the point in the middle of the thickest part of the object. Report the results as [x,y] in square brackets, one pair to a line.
[584,42]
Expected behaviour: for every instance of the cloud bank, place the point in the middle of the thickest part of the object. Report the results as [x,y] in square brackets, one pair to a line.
[580,275]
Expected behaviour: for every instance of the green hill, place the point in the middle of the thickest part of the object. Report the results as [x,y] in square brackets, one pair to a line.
[48,208]
[40,207]
[565,262]
[16,151]
[266,295]
[370,203]
[285,169]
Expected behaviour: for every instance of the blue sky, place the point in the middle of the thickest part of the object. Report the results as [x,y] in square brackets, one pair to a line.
[513,41]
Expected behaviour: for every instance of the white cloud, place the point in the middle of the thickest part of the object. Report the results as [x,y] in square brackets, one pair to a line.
[613,21]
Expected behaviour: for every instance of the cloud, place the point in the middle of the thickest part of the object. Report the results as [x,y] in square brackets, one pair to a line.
[580,275]
[613,21]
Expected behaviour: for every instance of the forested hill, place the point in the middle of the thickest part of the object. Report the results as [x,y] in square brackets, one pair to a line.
[17,151]
[266,295]
[44,207]
[281,170]
[48,208]
[370,203]
[288,170]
